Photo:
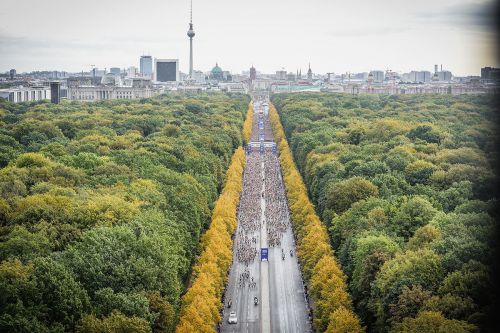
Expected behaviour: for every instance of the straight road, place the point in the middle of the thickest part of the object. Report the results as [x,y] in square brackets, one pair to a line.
[244,278]
[264,221]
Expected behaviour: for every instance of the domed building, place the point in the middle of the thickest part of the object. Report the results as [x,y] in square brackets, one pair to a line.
[370,78]
[111,79]
[217,74]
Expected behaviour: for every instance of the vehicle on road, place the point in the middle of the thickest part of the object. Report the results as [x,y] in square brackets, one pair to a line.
[232,318]
[229,303]
[283,256]
[255,300]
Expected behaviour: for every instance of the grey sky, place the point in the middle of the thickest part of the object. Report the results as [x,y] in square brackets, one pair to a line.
[333,35]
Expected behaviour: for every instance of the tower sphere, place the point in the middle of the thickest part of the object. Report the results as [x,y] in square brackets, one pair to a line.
[190,32]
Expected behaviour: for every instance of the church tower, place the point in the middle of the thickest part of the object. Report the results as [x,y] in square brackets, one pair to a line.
[309,73]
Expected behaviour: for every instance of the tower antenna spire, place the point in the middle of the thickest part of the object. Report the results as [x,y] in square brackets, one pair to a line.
[191,34]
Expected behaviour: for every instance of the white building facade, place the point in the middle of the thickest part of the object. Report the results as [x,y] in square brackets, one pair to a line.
[25,94]
[99,93]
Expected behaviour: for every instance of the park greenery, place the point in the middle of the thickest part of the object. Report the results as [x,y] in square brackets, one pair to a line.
[202,302]
[406,187]
[102,208]
[332,304]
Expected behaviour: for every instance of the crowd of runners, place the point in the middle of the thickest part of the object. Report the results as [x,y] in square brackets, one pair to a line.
[249,213]
[277,214]
[246,251]
[262,203]
[276,208]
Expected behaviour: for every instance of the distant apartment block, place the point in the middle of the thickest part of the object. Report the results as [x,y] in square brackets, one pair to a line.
[132,71]
[417,76]
[378,76]
[166,70]
[490,74]
[281,75]
[115,70]
[444,75]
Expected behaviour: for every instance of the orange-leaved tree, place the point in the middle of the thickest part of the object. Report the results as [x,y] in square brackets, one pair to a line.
[201,303]
[247,126]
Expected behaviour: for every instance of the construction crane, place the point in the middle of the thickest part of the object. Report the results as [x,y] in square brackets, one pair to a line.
[346,75]
[329,76]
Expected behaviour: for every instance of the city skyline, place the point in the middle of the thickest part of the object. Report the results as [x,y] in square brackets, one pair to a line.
[332,36]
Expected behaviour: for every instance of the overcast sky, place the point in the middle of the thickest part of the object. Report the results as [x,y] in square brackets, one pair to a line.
[333,35]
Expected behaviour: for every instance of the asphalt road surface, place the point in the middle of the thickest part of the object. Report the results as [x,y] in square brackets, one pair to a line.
[263,221]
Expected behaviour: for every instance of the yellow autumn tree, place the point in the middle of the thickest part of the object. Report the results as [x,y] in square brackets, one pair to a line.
[342,320]
[201,303]
[247,126]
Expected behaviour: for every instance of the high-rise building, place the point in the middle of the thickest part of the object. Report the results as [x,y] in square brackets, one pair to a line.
[253,73]
[12,74]
[115,70]
[490,73]
[424,76]
[199,76]
[359,76]
[418,76]
[281,75]
[55,92]
[378,76]
[146,66]
[166,70]
[191,34]
[444,75]
[132,71]
[227,76]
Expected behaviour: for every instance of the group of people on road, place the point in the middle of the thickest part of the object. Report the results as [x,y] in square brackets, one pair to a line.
[245,278]
[246,248]
[277,213]
[249,213]
[262,186]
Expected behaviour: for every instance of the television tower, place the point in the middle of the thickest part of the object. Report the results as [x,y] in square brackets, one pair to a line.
[190,34]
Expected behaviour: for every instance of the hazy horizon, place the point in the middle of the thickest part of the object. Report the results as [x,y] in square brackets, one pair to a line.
[334,36]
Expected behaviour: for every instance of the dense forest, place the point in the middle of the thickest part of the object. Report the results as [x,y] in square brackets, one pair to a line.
[102,206]
[407,189]
[333,310]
